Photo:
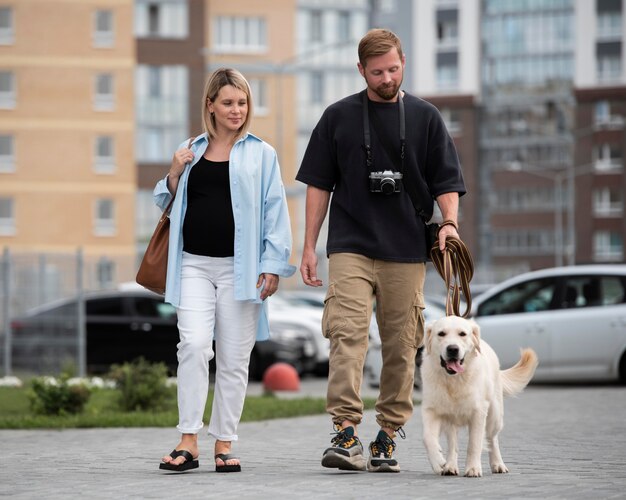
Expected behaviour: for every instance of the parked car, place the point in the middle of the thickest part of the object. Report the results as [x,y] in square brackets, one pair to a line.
[124,325]
[433,310]
[284,309]
[573,317]
[308,306]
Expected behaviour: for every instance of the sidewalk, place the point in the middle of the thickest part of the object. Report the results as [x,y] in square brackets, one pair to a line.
[558,442]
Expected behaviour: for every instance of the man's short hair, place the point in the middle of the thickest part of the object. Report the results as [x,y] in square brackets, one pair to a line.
[378,42]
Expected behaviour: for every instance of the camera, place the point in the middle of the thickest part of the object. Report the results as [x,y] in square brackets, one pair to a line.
[386,182]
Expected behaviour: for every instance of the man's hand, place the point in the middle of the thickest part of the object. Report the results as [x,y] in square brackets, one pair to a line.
[444,232]
[308,268]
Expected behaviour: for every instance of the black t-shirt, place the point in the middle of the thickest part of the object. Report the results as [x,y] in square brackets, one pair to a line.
[209,226]
[376,225]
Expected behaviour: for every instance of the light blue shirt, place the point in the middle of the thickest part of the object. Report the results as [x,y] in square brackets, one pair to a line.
[262,228]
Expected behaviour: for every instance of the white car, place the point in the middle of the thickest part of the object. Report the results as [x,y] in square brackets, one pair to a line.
[310,320]
[573,317]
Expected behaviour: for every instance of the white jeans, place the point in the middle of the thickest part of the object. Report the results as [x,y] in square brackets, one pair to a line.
[208,311]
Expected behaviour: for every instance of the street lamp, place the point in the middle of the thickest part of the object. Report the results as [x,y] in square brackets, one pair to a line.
[569,174]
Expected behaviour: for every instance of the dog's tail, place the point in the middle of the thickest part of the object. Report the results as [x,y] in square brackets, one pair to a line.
[518,376]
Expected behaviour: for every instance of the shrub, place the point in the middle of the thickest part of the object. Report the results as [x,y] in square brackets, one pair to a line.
[49,396]
[142,385]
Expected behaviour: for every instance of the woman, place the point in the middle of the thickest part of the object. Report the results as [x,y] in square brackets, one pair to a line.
[230,240]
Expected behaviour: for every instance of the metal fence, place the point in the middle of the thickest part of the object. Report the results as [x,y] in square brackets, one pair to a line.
[31,283]
[42,303]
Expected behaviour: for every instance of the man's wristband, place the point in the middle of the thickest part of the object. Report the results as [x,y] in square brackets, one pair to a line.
[449,222]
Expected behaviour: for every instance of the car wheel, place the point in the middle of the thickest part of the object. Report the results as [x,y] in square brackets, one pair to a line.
[255,370]
[622,369]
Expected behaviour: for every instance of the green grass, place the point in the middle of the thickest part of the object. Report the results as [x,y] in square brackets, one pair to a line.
[102,411]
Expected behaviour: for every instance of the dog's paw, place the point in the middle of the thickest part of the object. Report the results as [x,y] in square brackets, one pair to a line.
[476,471]
[499,468]
[450,469]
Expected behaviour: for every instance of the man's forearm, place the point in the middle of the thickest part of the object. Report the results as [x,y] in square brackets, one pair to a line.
[316,208]
[449,206]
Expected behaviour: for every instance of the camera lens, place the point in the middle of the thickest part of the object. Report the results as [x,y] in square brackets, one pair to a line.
[387,185]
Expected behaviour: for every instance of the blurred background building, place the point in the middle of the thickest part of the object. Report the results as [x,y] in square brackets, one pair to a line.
[96,95]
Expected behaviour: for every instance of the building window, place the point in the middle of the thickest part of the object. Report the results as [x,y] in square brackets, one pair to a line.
[609,25]
[161,19]
[240,34]
[523,242]
[447,76]
[104,217]
[607,158]
[154,81]
[104,98]
[103,33]
[7,90]
[105,271]
[317,87]
[104,157]
[7,217]
[607,202]
[603,117]
[7,155]
[161,111]
[447,28]
[607,246]
[452,119]
[316,26]
[7,31]
[343,26]
[609,68]
[258,87]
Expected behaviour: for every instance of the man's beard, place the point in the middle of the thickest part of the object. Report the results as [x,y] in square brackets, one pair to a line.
[388,91]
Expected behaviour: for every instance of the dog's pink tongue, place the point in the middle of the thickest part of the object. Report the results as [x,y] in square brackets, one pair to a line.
[455,366]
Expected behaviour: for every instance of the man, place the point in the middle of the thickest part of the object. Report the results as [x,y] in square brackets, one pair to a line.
[376,241]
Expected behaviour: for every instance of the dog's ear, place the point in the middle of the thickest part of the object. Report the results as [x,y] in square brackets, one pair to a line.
[476,335]
[428,335]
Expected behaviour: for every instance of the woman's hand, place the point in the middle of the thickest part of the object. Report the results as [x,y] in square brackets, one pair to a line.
[268,283]
[180,159]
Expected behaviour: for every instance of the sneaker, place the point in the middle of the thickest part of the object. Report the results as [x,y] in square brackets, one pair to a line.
[381,454]
[346,452]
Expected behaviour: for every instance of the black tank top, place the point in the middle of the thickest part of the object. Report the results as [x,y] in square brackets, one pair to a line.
[209,226]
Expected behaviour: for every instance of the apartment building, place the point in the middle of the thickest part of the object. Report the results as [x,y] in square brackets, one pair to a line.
[533,93]
[443,61]
[67,172]
[600,133]
[170,72]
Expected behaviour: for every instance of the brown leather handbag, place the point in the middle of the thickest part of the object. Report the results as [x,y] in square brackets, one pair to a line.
[153,268]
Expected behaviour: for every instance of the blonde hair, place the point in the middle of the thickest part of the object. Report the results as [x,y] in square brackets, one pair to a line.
[220,78]
[378,42]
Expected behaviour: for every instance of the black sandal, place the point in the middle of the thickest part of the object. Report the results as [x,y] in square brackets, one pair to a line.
[189,463]
[227,468]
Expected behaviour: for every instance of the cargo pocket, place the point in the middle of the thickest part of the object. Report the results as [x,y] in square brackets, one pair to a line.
[332,319]
[413,330]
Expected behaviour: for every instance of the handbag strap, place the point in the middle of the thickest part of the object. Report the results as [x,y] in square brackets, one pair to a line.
[456,267]
[168,208]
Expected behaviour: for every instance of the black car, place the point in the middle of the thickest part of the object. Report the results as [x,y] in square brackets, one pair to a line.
[120,327]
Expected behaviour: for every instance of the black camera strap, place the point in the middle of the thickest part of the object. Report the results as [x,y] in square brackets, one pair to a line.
[396,159]
[392,153]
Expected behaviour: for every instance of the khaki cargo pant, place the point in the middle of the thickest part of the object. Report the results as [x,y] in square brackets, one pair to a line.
[354,280]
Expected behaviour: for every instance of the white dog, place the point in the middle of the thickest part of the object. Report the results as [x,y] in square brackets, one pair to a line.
[462,385]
